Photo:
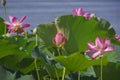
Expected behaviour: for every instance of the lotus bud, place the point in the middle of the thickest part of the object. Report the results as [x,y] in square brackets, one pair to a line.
[59,39]
[117,37]
[3,2]
[6,35]
[35,31]
[92,15]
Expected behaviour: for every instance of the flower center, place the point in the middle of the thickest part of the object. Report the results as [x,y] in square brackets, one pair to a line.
[16,25]
[17,28]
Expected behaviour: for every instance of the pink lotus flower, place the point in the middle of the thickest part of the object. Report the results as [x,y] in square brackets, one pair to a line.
[59,39]
[99,47]
[16,26]
[80,12]
[117,37]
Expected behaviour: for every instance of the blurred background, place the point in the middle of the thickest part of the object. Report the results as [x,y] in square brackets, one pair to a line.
[44,11]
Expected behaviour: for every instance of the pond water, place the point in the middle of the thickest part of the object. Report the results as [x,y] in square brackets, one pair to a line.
[43,11]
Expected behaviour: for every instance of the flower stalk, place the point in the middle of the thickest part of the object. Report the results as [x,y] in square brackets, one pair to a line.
[63,76]
[79,75]
[101,68]
[5,19]
[35,61]
[56,74]
[59,53]
[3,2]
[98,50]
[36,42]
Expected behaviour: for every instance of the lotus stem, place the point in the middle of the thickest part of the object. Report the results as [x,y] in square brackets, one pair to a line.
[35,61]
[56,74]
[101,68]
[36,42]
[58,49]
[5,17]
[25,34]
[63,73]
[79,75]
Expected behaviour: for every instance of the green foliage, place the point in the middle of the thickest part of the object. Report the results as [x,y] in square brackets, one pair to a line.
[77,62]
[18,54]
[80,30]
[110,71]
[2,27]
[77,29]
[46,32]
[7,75]
[13,57]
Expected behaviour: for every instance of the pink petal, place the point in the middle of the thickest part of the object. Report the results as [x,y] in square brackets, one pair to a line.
[22,19]
[53,40]
[74,12]
[106,43]
[10,31]
[87,15]
[109,48]
[80,12]
[65,40]
[92,48]
[13,19]
[7,23]
[99,42]
[97,54]
[11,27]
[25,25]
[91,45]
[58,37]
[89,51]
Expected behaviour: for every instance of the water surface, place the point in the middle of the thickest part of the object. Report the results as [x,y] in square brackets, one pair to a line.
[43,11]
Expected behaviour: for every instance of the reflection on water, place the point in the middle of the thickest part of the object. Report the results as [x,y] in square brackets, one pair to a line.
[42,11]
